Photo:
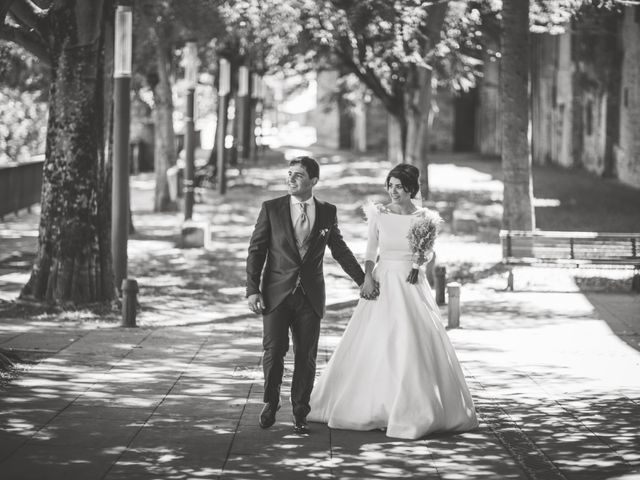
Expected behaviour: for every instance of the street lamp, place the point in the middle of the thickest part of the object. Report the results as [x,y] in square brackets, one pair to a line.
[191,78]
[242,109]
[257,92]
[121,121]
[224,87]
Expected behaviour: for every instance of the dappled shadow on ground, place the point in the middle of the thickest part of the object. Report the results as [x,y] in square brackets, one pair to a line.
[204,285]
[183,403]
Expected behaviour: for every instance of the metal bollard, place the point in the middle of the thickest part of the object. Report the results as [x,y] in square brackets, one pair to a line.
[510,280]
[431,265]
[129,302]
[635,281]
[441,281]
[453,292]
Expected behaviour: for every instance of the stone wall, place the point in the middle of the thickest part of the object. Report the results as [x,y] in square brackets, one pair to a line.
[627,152]
[552,99]
[586,96]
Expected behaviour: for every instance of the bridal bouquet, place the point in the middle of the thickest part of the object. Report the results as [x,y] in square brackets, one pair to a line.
[422,235]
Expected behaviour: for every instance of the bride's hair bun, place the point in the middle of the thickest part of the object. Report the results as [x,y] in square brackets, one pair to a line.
[408,176]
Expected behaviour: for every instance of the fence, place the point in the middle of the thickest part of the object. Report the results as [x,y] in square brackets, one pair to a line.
[20,185]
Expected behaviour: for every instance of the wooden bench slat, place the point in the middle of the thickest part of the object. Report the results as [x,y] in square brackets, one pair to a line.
[571,247]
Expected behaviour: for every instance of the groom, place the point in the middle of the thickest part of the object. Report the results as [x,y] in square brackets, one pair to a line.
[291,234]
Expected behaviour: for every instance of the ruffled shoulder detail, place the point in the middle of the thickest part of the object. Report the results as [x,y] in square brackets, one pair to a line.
[372,210]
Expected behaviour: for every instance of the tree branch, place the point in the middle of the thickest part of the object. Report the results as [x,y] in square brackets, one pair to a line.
[28,13]
[30,41]
[5,5]
[367,77]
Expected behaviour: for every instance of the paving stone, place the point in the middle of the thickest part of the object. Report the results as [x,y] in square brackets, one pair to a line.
[54,462]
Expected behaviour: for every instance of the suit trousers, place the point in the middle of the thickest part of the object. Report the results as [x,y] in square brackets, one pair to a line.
[294,313]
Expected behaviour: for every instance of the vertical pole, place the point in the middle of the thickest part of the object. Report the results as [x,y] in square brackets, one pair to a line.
[241,112]
[224,87]
[441,282]
[189,146]
[120,174]
[256,124]
[453,292]
[129,302]
[191,78]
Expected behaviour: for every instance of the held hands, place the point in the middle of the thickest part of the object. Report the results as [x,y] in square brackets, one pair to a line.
[256,304]
[370,289]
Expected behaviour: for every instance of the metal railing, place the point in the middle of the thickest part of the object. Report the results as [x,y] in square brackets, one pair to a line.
[20,185]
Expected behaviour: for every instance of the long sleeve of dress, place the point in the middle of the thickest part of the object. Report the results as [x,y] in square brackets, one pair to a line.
[371,253]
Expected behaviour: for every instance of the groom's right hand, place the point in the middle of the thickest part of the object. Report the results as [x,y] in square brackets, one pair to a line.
[256,304]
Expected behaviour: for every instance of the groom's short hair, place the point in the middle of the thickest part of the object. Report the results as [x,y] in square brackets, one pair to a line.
[309,164]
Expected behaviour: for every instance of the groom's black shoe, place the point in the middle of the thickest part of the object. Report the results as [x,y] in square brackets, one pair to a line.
[268,414]
[300,425]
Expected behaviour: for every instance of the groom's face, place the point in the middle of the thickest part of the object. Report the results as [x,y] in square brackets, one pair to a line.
[298,181]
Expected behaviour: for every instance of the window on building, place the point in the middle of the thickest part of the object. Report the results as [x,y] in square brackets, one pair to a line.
[589,117]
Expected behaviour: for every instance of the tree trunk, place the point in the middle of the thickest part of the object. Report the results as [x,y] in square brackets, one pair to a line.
[418,105]
[73,263]
[224,124]
[396,137]
[613,78]
[165,146]
[518,211]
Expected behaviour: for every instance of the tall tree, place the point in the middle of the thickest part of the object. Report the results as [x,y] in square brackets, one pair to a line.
[162,27]
[398,51]
[518,213]
[75,39]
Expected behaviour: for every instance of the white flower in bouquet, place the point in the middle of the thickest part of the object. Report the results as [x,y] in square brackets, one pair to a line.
[422,236]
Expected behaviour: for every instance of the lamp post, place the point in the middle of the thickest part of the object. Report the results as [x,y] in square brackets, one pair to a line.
[121,121]
[257,92]
[191,77]
[224,87]
[243,113]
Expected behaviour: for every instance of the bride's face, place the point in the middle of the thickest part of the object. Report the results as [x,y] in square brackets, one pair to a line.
[396,191]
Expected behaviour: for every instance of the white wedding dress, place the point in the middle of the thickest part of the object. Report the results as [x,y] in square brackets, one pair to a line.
[394,367]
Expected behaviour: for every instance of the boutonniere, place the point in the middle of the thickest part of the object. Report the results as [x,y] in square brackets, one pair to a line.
[323,232]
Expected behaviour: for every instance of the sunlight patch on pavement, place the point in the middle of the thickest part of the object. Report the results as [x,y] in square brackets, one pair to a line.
[148,246]
[15,277]
[161,281]
[451,177]
[234,291]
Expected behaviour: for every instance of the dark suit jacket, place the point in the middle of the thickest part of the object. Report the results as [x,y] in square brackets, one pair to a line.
[273,241]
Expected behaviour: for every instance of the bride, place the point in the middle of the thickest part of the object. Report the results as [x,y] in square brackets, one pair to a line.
[394,368]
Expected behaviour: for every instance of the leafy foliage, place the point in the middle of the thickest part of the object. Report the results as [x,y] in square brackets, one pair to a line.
[260,32]
[23,94]
[21,70]
[170,23]
[23,120]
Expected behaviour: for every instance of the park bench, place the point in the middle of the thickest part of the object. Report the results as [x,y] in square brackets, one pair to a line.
[571,249]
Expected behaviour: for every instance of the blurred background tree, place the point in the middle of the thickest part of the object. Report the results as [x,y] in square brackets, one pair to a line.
[24,84]
[161,30]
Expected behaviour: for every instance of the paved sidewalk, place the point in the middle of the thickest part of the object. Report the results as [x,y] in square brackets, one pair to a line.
[555,372]
[557,391]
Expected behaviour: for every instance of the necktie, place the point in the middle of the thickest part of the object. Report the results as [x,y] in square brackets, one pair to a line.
[302,229]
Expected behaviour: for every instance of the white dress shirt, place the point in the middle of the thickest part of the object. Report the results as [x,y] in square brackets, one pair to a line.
[296,210]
